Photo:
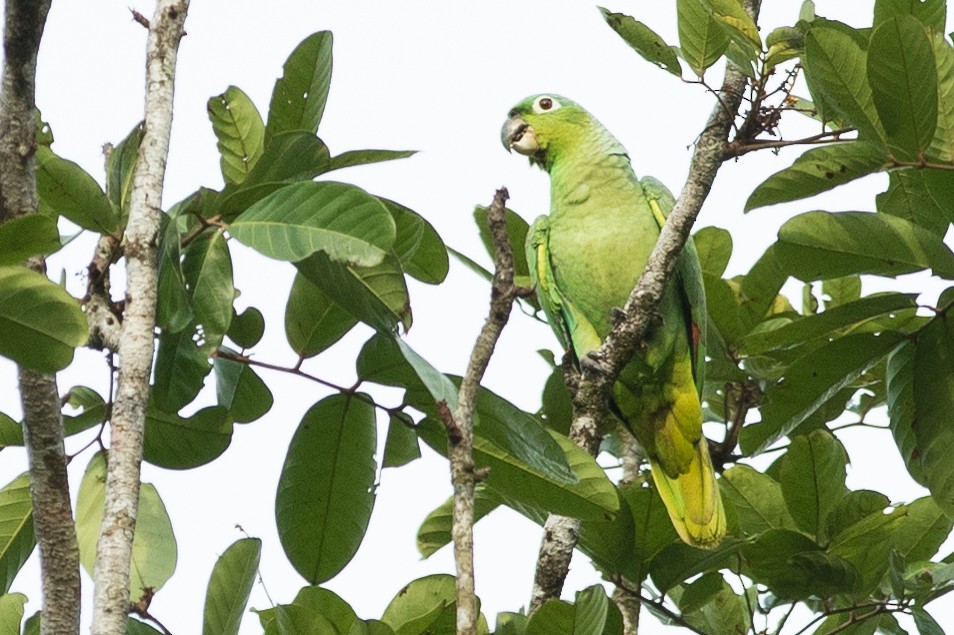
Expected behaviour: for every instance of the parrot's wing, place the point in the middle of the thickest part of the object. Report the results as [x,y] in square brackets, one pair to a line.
[567,321]
[688,277]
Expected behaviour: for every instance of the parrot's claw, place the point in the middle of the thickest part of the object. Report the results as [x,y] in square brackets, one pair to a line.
[594,361]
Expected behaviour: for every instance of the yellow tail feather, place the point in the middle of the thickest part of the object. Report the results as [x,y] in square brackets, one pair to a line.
[693,501]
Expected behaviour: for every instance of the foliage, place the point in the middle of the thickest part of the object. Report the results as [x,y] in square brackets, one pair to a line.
[778,379]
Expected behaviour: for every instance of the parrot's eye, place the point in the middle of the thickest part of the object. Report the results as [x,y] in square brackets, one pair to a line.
[545,104]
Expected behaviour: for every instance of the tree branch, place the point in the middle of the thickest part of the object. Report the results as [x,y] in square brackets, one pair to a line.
[592,398]
[111,577]
[460,425]
[24,21]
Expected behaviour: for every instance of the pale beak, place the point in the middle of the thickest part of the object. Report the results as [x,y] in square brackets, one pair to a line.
[518,135]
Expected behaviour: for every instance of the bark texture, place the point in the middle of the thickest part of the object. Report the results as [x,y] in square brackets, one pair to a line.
[111,576]
[593,392]
[43,424]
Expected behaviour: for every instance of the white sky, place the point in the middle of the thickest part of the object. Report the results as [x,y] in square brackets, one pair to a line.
[438,78]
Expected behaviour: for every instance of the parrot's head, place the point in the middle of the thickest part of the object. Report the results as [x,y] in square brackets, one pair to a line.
[544,127]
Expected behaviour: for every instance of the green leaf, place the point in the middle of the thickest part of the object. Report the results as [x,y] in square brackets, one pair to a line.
[428,260]
[120,164]
[375,295]
[903,412]
[326,489]
[644,41]
[903,78]
[714,247]
[854,507]
[174,305]
[239,389]
[239,132]
[925,624]
[517,230]
[230,586]
[137,627]
[702,38]
[596,613]
[930,13]
[247,327]
[793,567]
[181,443]
[182,359]
[298,99]
[819,170]
[942,146]
[820,245]
[65,189]
[836,72]
[739,25]
[784,43]
[812,476]
[840,319]
[555,617]
[710,604]
[811,381]
[867,545]
[923,530]
[342,220]
[17,539]
[40,323]
[321,602]
[154,545]
[933,401]
[401,446]
[679,562]
[757,500]
[94,410]
[364,157]
[11,612]
[922,197]
[426,605]
[435,531]
[312,321]
[30,235]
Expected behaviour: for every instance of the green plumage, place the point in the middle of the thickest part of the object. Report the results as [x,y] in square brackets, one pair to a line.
[585,258]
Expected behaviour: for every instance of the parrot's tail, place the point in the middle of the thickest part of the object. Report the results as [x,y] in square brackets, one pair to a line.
[693,501]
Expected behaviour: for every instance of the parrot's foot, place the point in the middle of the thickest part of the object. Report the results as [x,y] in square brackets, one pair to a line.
[594,361]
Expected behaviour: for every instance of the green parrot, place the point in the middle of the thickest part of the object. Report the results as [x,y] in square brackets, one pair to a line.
[584,259]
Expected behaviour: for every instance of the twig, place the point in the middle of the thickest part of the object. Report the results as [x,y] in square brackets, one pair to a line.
[111,574]
[737,148]
[24,21]
[460,425]
[591,401]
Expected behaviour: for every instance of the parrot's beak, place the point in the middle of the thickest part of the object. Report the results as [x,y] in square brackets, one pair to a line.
[518,135]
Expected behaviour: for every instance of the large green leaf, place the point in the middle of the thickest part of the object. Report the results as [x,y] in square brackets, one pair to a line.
[817,171]
[65,189]
[811,381]
[644,41]
[120,164]
[930,13]
[740,27]
[902,409]
[435,530]
[714,248]
[679,562]
[30,235]
[239,131]
[942,146]
[180,443]
[11,612]
[182,360]
[794,567]
[517,230]
[16,529]
[757,500]
[174,306]
[867,544]
[933,402]
[40,323]
[812,476]
[842,319]
[426,605]
[326,489]
[154,549]
[229,587]
[710,605]
[342,220]
[702,38]
[298,99]
[364,157]
[428,260]
[312,321]
[821,245]
[903,78]
[375,295]
[836,72]
[923,197]
[401,445]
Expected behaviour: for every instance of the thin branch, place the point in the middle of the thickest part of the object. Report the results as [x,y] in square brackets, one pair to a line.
[591,401]
[24,21]
[460,425]
[737,148]
[111,576]
[879,607]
